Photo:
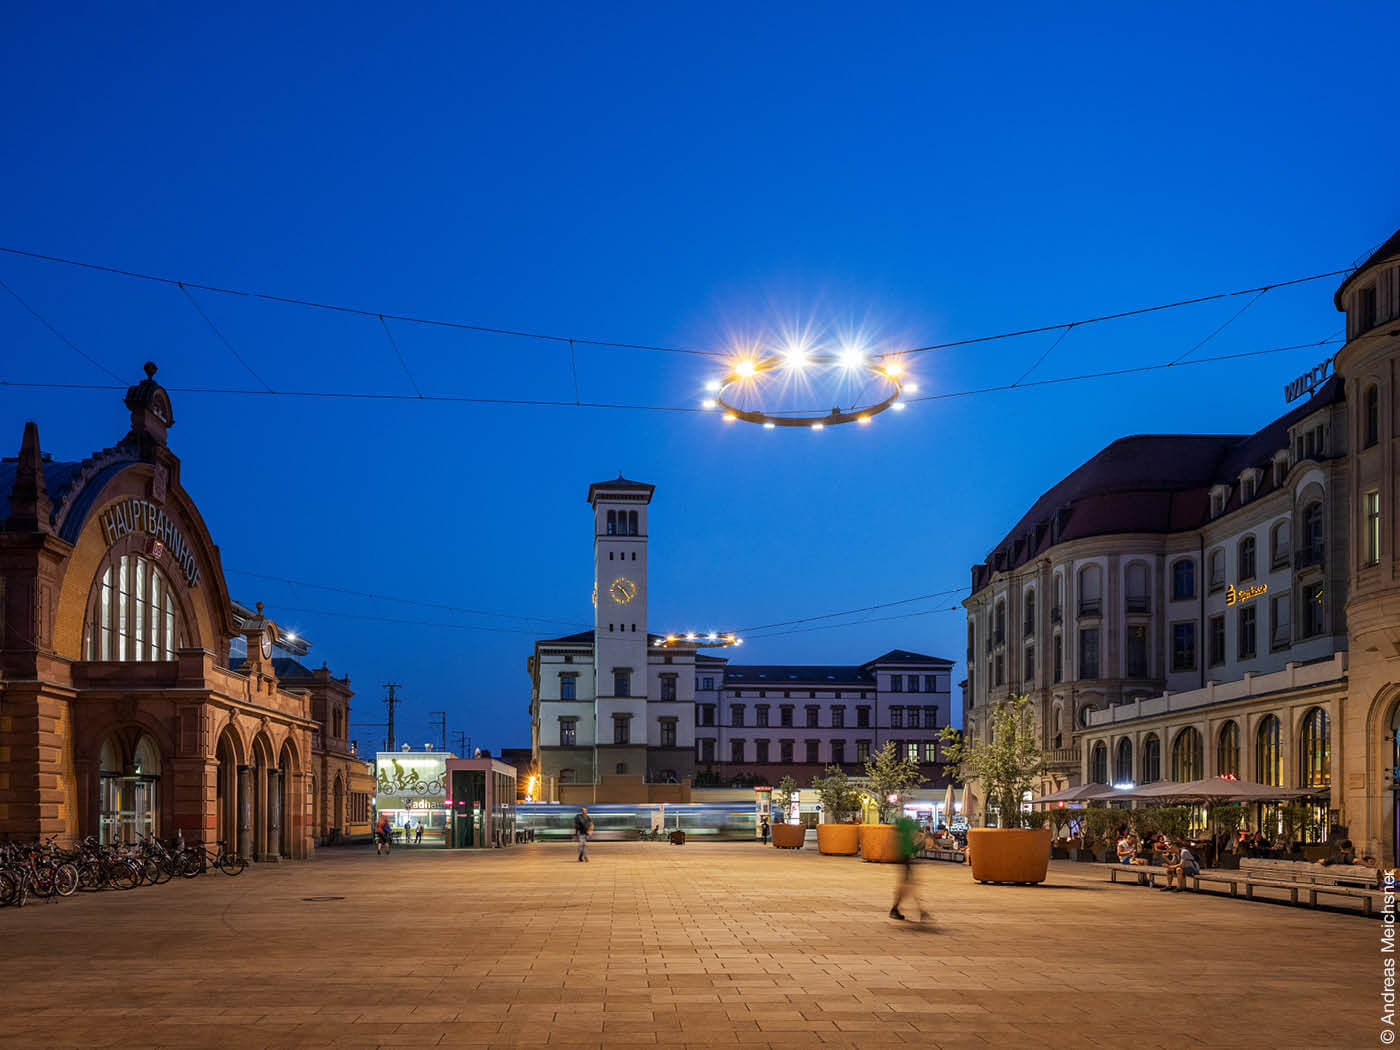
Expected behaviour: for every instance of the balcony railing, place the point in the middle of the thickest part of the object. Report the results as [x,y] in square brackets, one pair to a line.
[1090,606]
[1138,603]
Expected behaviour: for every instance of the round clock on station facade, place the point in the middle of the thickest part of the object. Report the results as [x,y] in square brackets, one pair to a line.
[622,590]
[267,643]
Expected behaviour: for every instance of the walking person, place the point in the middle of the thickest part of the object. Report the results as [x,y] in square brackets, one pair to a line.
[907,833]
[583,827]
[763,828]
[418,834]
[382,834]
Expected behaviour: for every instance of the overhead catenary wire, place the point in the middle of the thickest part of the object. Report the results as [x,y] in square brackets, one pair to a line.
[859,609]
[61,337]
[223,338]
[1220,328]
[856,623]
[399,354]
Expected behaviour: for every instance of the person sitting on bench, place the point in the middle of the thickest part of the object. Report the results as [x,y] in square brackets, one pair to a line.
[1346,855]
[1180,865]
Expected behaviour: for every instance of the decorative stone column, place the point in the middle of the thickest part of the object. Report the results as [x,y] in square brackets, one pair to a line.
[274,815]
[245,812]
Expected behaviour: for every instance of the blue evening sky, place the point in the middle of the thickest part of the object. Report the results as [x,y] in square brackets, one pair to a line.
[677,176]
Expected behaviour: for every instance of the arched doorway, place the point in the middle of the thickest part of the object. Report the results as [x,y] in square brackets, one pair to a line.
[290,808]
[128,790]
[229,755]
[338,807]
[261,798]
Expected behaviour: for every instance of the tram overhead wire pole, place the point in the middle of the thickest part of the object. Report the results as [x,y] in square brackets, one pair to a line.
[438,720]
[390,702]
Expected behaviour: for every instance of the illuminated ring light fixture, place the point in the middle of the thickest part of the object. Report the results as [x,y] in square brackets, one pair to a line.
[696,639]
[747,370]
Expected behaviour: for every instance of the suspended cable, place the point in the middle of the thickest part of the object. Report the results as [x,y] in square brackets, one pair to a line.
[855,623]
[360,311]
[224,339]
[408,623]
[573,363]
[1233,317]
[403,601]
[63,338]
[395,344]
[860,609]
[1039,360]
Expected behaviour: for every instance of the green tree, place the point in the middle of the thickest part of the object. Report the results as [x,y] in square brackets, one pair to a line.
[1007,765]
[782,799]
[838,798]
[891,777]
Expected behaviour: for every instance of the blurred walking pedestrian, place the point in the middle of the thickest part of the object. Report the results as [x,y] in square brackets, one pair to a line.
[907,835]
[583,827]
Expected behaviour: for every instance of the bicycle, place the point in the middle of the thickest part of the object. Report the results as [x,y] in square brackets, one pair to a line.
[198,859]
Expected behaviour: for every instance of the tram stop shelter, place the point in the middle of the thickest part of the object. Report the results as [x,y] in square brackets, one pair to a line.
[480,803]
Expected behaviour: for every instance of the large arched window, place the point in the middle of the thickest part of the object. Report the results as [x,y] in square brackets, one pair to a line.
[1227,753]
[1371,409]
[999,627]
[1123,762]
[127,798]
[1280,540]
[1098,765]
[632,523]
[1315,750]
[1188,756]
[1151,759]
[133,613]
[1028,613]
[1183,579]
[612,523]
[1313,539]
[1090,591]
[1268,753]
[1245,554]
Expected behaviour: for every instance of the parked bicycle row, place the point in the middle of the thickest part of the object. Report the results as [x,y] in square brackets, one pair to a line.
[45,870]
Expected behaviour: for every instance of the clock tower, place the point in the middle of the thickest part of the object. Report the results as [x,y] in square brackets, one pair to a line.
[620,624]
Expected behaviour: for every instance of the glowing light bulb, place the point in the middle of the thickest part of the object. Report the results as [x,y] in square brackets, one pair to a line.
[729,417]
[863,420]
[745,369]
[769,426]
[796,356]
[894,369]
[818,426]
[851,357]
[708,403]
[712,636]
[690,637]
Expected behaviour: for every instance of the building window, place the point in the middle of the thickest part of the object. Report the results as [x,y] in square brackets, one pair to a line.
[999,631]
[1183,579]
[1313,550]
[1183,646]
[622,729]
[913,716]
[736,750]
[1088,653]
[1227,752]
[707,750]
[708,683]
[1059,645]
[612,525]
[1151,759]
[568,732]
[760,749]
[1279,543]
[1247,486]
[762,711]
[1245,630]
[668,733]
[134,615]
[1098,764]
[1090,591]
[863,717]
[1371,537]
[568,687]
[911,751]
[1217,641]
[1028,663]
[838,717]
[1268,752]
[785,750]
[707,714]
[813,717]
[930,683]
[896,718]
[862,750]
[838,752]
[785,715]
[896,683]
[1137,650]
[1028,616]
[1217,570]
[1314,618]
[1188,756]
[1281,622]
[930,751]
[1123,762]
[1315,743]
[1365,309]
[668,687]
[736,714]
[622,683]
[1246,556]
[1000,666]
[931,716]
[567,776]
[1371,408]
[812,751]
[1136,599]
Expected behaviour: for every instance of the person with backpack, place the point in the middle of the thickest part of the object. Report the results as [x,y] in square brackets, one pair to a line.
[382,834]
[583,827]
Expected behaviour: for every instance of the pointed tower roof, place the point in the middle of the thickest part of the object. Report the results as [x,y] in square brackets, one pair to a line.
[30,509]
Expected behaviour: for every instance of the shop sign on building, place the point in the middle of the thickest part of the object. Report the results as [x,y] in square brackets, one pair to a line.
[411,780]
[141,515]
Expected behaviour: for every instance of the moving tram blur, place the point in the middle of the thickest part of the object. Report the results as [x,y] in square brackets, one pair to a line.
[712,821]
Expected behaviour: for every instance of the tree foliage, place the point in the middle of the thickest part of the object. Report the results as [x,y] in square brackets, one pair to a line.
[1007,764]
[891,776]
[782,799]
[839,798]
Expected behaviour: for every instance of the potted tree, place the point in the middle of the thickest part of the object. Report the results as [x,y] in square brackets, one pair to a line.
[1006,766]
[840,801]
[892,780]
[785,835]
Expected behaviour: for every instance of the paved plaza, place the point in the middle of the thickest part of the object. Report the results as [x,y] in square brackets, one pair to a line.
[696,946]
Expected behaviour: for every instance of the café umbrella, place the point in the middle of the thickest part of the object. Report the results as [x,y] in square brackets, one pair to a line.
[1213,789]
[948,805]
[1081,793]
[969,803]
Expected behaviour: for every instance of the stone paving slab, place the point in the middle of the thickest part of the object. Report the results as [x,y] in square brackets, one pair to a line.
[705,946]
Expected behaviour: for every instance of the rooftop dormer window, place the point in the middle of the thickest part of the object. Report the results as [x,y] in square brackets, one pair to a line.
[1365,311]
[1249,485]
[1218,495]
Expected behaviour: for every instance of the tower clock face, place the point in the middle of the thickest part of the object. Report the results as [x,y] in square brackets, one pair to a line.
[622,590]
[267,644]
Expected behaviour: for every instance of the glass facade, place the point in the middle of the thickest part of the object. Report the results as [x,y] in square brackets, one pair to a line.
[411,789]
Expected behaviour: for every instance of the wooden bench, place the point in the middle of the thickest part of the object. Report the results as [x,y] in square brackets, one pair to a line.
[1358,875]
[941,853]
[1259,878]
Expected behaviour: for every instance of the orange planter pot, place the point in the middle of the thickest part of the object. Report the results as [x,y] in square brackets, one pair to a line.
[789,836]
[880,843]
[840,840]
[1019,855]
